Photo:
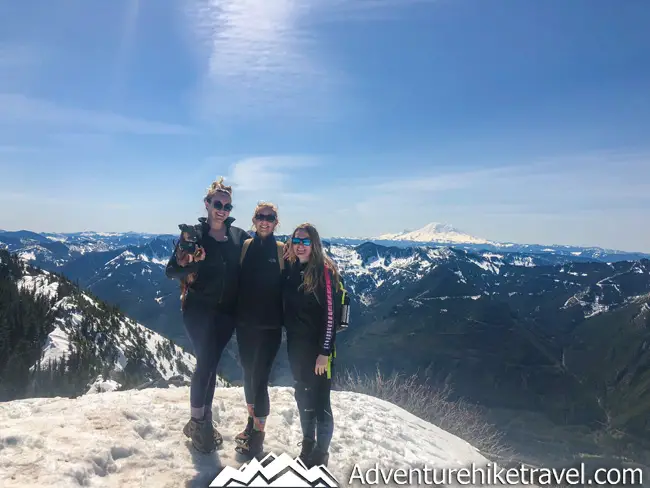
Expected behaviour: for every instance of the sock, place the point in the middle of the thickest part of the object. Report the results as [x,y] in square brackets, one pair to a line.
[197,413]
[259,423]
[207,414]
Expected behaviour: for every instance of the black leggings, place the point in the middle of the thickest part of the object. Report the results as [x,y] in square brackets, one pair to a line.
[257,351]
[312,391]
[209,332]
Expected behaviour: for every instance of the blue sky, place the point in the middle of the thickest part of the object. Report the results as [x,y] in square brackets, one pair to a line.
[514,121]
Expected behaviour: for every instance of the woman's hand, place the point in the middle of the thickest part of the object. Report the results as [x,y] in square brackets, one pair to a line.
[285,254]
[199,255]
[321,364]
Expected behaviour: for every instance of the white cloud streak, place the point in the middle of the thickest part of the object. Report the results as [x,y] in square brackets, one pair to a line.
[17,108]
[263,57]
[271,174]
[131,14]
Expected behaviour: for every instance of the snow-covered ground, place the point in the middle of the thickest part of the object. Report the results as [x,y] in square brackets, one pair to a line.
[134,439]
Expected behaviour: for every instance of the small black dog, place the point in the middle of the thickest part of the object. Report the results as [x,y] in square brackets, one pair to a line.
[188,245]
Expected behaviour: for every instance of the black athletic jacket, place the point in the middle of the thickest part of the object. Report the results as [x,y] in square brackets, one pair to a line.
[216,283]
[260,286]
[309,316]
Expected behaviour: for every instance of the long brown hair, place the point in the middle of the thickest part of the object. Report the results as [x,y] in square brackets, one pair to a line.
[318,260]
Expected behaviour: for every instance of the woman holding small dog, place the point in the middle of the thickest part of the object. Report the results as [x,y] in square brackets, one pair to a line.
[259,322]
[206,262]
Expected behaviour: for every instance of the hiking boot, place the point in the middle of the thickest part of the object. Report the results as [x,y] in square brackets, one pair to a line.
[253,446]
[307,448]
[218,438]
[203,435]
[317,458]
[243,436]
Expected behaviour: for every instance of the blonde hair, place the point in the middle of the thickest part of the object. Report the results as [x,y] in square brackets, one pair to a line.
[318,260]
[217,186]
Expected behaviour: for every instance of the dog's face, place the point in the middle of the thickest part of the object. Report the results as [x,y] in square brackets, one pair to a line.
[189,237]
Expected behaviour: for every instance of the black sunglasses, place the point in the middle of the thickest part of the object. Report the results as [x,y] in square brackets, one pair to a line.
[297,240]
[220,206]
[266,217]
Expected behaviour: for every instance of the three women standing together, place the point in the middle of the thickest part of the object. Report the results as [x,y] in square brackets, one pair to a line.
[233,283]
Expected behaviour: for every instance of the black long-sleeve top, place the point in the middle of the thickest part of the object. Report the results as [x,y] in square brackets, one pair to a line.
[309,316]
[260,286]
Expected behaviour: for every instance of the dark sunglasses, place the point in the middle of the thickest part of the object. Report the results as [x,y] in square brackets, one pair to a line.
[220,206]
[265,217]
[298,240]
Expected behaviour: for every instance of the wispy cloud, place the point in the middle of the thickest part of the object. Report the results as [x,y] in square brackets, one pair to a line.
[565,188]
[17,108]
[456,180]
[567,178]
[270,174]
[264,57]
[125,49]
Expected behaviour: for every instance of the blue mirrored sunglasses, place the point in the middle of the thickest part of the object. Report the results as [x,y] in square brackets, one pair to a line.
[298,240]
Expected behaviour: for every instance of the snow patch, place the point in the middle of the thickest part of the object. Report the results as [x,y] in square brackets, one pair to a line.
[56,346]
[100,385]
[41,284]
[27,256]
[134,438]
[460,276]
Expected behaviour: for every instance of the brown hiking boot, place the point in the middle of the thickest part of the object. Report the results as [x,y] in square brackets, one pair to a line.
[243,436]
[192,425]
[253,446]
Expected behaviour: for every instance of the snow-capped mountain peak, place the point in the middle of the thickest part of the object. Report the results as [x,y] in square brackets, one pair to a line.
[434,232]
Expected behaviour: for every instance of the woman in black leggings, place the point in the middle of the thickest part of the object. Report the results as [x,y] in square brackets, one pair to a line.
[311,316]
[259,322]
[206,262]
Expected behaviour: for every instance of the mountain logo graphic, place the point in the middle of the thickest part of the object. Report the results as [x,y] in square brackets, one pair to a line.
[276,471]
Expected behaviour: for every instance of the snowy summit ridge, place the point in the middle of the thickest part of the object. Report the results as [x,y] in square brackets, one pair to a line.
[434,232]
[134,438]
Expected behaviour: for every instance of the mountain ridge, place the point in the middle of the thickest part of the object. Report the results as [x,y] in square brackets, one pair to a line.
[69,246]
[79,338]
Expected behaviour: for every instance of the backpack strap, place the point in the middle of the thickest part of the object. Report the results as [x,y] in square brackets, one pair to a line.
[247,243]
[281,255]
[329,303]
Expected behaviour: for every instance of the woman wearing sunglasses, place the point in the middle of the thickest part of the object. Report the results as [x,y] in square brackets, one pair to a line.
[310,312]
[259,322]
[208,268]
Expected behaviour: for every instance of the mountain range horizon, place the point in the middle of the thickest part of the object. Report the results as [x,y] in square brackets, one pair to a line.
[434,232]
